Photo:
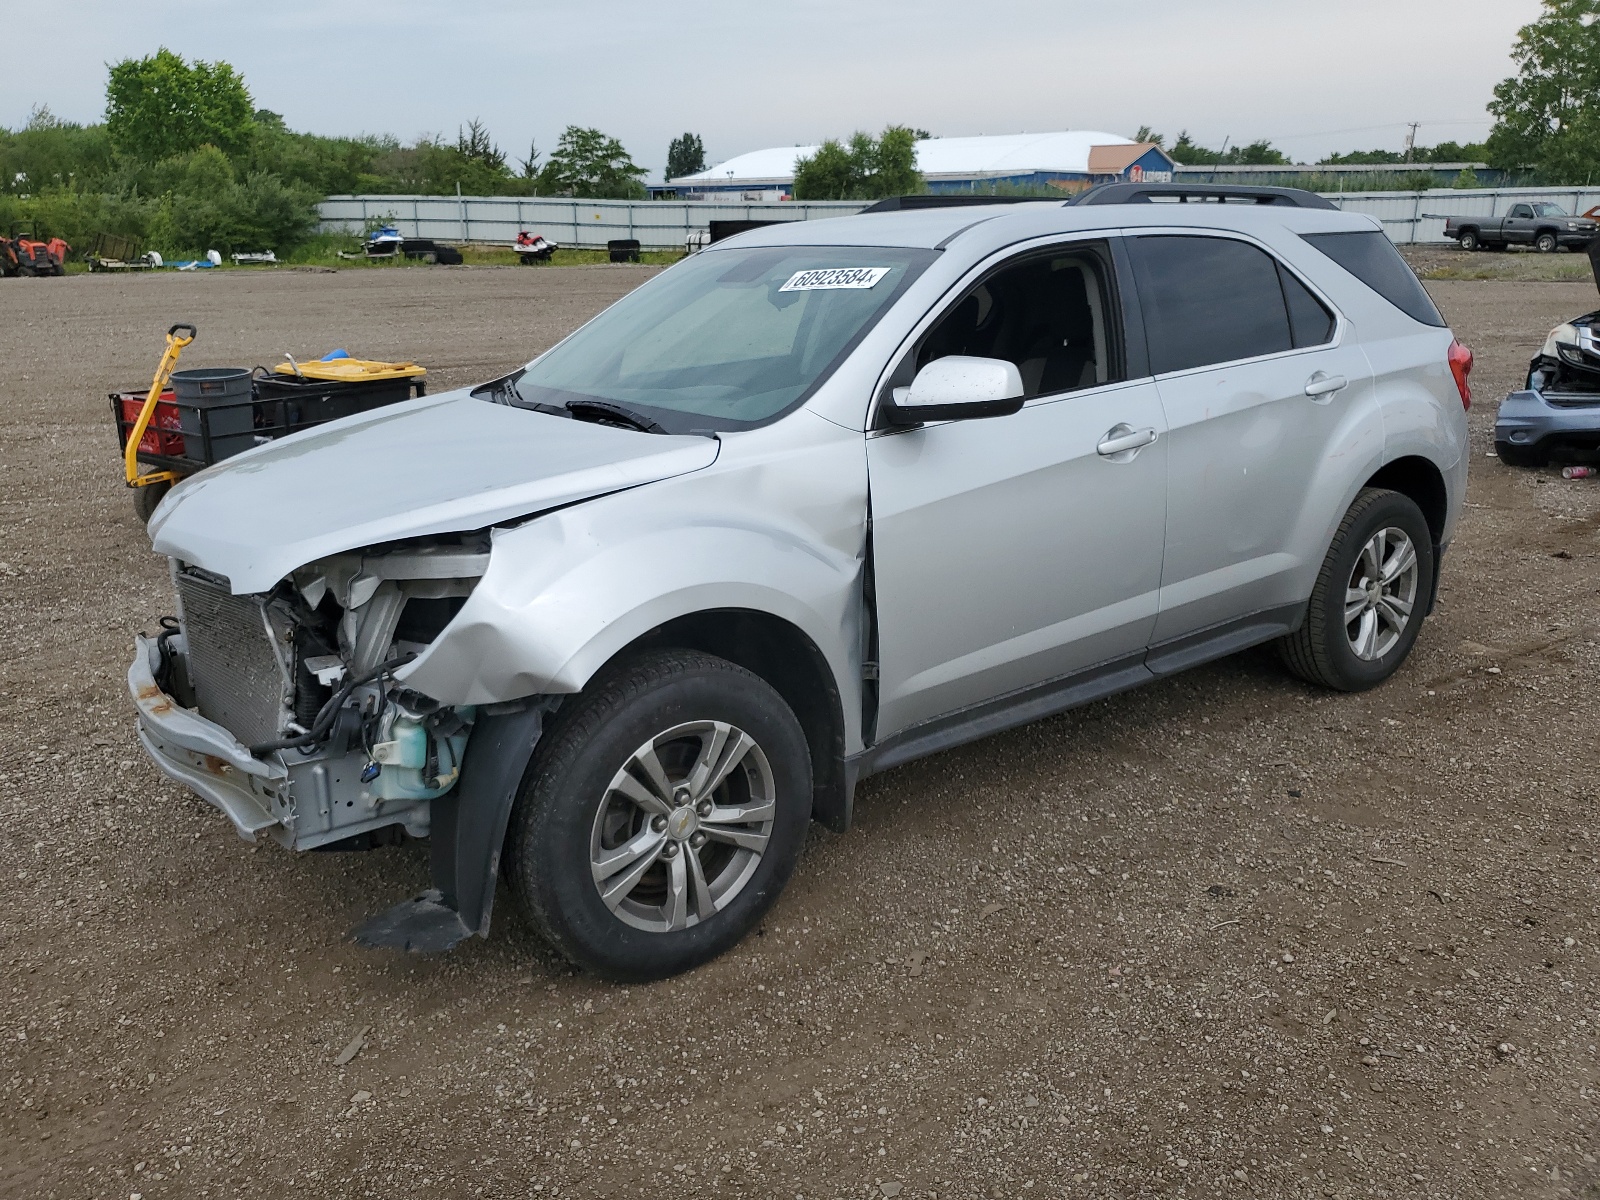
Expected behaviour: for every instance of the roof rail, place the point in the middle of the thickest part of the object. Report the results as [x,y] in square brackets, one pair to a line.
[947,200]
[1200,193]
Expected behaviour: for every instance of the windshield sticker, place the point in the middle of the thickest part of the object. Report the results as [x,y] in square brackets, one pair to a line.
[833,279]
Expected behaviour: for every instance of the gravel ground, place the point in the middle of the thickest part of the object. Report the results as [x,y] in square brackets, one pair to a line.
[1224,936]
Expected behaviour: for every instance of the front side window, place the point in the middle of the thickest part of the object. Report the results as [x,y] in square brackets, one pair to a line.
[1209,300]
[1046,314]
[1521,210]
[726,340]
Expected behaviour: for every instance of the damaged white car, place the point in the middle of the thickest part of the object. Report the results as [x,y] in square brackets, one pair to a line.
[814,502]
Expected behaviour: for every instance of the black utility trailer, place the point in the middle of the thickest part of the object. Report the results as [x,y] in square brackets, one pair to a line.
[210,415]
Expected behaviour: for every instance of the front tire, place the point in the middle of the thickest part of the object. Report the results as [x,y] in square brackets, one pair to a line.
[663,817]
[1546,243]
[1370,596]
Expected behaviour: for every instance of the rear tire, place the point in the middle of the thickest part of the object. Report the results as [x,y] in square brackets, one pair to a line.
[1370,596]
[1469,240]
[630,853]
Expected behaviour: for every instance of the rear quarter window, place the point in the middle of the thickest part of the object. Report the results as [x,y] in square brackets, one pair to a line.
[1370,256]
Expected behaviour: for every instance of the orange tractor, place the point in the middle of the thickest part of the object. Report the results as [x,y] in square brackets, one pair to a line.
[30,256]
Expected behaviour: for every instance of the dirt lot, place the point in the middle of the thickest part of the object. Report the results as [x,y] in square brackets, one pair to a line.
[1226,936]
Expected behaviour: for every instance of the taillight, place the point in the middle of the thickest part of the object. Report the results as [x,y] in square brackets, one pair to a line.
[1460,359]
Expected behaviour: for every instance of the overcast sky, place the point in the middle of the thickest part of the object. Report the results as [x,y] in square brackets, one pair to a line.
[1311,77]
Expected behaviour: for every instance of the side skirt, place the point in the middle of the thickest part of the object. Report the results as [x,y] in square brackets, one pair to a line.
[1070,691]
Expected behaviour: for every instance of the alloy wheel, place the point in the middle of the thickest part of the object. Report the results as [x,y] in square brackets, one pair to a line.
[1381,594]
[683,826]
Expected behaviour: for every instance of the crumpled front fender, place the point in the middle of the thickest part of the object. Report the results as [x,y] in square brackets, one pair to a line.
[781,534]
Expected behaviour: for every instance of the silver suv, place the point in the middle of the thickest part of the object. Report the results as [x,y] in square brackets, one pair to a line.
[819,500]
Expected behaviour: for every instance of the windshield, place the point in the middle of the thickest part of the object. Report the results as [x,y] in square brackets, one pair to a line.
[1549,210]
[727,339]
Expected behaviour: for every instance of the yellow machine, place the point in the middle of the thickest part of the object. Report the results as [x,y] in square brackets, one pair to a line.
[130,451]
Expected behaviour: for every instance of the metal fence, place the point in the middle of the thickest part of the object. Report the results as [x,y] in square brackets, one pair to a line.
[655,224]
[1408,217]
[1418,217]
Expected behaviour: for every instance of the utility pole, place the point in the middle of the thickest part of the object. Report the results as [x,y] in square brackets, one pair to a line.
[1411,139]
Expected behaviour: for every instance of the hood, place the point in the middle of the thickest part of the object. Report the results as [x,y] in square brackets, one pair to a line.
[441,464]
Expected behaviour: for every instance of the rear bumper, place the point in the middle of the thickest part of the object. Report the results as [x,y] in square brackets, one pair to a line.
[1529,422]
[205,757]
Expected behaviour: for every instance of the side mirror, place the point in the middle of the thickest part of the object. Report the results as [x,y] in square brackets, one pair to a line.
[957,388]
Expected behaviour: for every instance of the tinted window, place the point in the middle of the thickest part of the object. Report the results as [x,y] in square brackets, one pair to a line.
[1046,313]
[1208,300]
[1309,322]
[1372,258]
[1521,210]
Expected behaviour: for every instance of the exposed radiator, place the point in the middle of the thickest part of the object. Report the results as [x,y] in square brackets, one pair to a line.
[239,681]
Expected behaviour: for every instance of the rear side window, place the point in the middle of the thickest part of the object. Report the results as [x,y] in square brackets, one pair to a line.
[1208,300]
[1309,321]
[1370,256]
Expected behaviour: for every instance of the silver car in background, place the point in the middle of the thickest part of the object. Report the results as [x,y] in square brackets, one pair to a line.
[819,500]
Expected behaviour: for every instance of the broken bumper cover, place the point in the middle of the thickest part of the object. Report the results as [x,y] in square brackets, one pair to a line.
[1540,423]
[204,756]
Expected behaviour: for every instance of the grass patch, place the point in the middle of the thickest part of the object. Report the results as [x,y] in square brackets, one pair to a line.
[1517,266]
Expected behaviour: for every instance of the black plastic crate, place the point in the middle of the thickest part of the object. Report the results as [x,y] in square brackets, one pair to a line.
[275,407]
[307,402]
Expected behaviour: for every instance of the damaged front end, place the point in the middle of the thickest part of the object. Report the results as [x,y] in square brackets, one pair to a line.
[282,709]
[312,741]
[1556,415]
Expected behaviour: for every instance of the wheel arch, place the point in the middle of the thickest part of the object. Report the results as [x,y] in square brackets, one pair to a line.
[784,656]
[1421,481]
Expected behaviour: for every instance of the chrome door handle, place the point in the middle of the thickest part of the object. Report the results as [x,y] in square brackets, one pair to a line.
[1325,385]
[1119,439]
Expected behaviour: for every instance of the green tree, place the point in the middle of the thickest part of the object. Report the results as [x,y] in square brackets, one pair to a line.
[867,168]
[591,164]
[160,106]
[1454,152]
[686,155]
[1547,115]
[894,168]
[49,152]
[1186,151]
[830,173]
[530,165]
[1364,158]
[475,145]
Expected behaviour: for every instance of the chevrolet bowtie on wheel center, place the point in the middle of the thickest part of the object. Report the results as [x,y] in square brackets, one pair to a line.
[812,503]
